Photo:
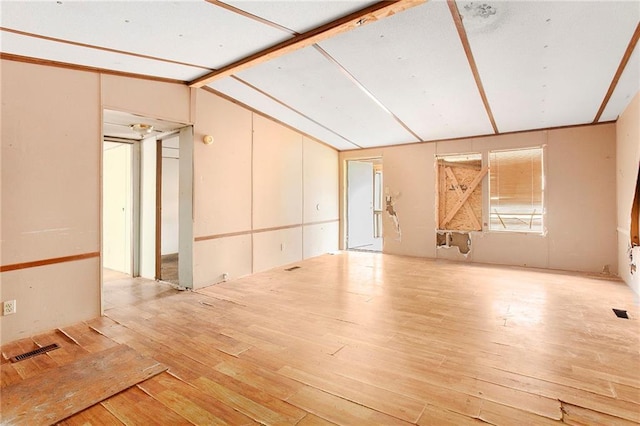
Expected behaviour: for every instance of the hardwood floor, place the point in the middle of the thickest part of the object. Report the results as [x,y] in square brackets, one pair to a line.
[122,290]
[363,338]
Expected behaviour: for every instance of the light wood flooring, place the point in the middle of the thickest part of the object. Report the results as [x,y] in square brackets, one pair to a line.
[364,338]
[121,289]
[169,268]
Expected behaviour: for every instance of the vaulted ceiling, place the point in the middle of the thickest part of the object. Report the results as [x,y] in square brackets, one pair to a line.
[359,74]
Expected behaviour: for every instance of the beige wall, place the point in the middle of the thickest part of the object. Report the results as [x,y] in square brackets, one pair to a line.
[147,98]
[628,162]
[51,151]
[248,188]
[265,195]
[222,189]
[320,197]
[580,201]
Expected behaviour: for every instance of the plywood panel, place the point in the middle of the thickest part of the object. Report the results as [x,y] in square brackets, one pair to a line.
[51,151]
[213,258]
[320,182]
[70,389]
[277,175]
[276,248]
[222,170]
[454,180]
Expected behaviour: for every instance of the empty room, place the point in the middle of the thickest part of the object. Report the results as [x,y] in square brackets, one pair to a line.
[319,212]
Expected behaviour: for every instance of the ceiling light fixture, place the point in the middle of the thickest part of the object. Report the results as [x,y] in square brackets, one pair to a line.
[141,129]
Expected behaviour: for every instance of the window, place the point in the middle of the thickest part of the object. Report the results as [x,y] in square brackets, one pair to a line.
[516,187]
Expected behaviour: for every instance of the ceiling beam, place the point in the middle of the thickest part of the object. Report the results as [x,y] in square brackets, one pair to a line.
[453,7]
[618,74]
[354,20]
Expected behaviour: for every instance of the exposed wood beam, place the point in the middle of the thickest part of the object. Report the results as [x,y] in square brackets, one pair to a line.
[453,7]
[621,67]
[354,20]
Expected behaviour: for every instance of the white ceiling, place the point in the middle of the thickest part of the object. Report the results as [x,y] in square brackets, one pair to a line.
[402,79]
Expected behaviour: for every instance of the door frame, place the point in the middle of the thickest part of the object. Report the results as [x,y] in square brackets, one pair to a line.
[344,199]
[186,135]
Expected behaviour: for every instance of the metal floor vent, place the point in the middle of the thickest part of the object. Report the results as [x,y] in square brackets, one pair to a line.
[620,313]
[292,268]
[35,352]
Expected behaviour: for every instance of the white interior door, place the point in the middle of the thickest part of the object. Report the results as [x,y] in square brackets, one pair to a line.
[360,228]
[117,207]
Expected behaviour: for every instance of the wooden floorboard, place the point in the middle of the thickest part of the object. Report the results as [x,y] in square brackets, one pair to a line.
[60,392]
[365,338]
[96,415]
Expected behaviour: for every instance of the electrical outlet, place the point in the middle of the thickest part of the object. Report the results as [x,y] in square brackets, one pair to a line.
[9,307]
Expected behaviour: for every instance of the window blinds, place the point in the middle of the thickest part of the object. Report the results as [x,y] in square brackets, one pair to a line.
[516,190]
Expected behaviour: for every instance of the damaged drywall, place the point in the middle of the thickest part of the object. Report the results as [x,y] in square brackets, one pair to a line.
[459,240]
[391,211]
[634,255]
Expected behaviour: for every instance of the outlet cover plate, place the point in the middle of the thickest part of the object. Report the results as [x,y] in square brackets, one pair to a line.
[9,307]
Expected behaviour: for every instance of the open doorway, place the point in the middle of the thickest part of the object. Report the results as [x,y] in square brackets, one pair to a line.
[141,205]
[364,204]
